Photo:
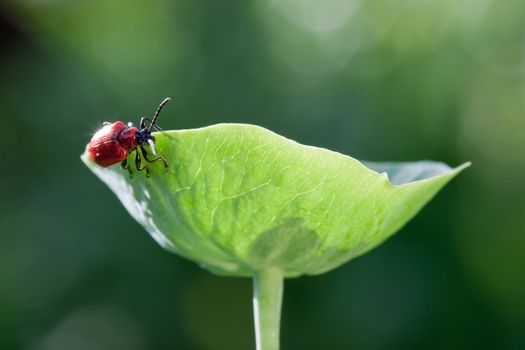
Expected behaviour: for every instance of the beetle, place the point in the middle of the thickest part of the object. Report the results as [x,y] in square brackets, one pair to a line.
[113,143]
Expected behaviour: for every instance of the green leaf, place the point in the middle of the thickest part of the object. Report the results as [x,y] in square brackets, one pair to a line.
[239,199]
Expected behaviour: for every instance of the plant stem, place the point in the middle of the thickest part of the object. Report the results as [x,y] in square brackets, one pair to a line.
[267,300]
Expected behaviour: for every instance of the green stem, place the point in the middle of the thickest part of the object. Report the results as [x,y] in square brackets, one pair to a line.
[267,300]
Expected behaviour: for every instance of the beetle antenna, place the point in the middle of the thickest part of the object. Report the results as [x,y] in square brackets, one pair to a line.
[157,112]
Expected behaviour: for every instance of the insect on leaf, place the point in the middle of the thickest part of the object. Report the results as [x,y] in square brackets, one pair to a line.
[240,198]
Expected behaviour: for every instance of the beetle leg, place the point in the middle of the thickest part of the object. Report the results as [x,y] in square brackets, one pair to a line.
[143,121]
[125,165]
[138,163]
[156,159]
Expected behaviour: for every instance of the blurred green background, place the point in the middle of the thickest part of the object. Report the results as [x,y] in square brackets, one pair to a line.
[375,79]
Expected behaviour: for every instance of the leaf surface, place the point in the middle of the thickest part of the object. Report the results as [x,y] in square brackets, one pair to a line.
[239,198]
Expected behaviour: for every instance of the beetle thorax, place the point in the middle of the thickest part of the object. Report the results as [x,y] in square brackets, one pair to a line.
[127,138]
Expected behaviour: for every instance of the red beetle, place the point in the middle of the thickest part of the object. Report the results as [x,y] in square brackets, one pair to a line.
[114,141]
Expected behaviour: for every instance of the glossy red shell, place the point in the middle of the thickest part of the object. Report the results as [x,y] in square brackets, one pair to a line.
[112,143]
